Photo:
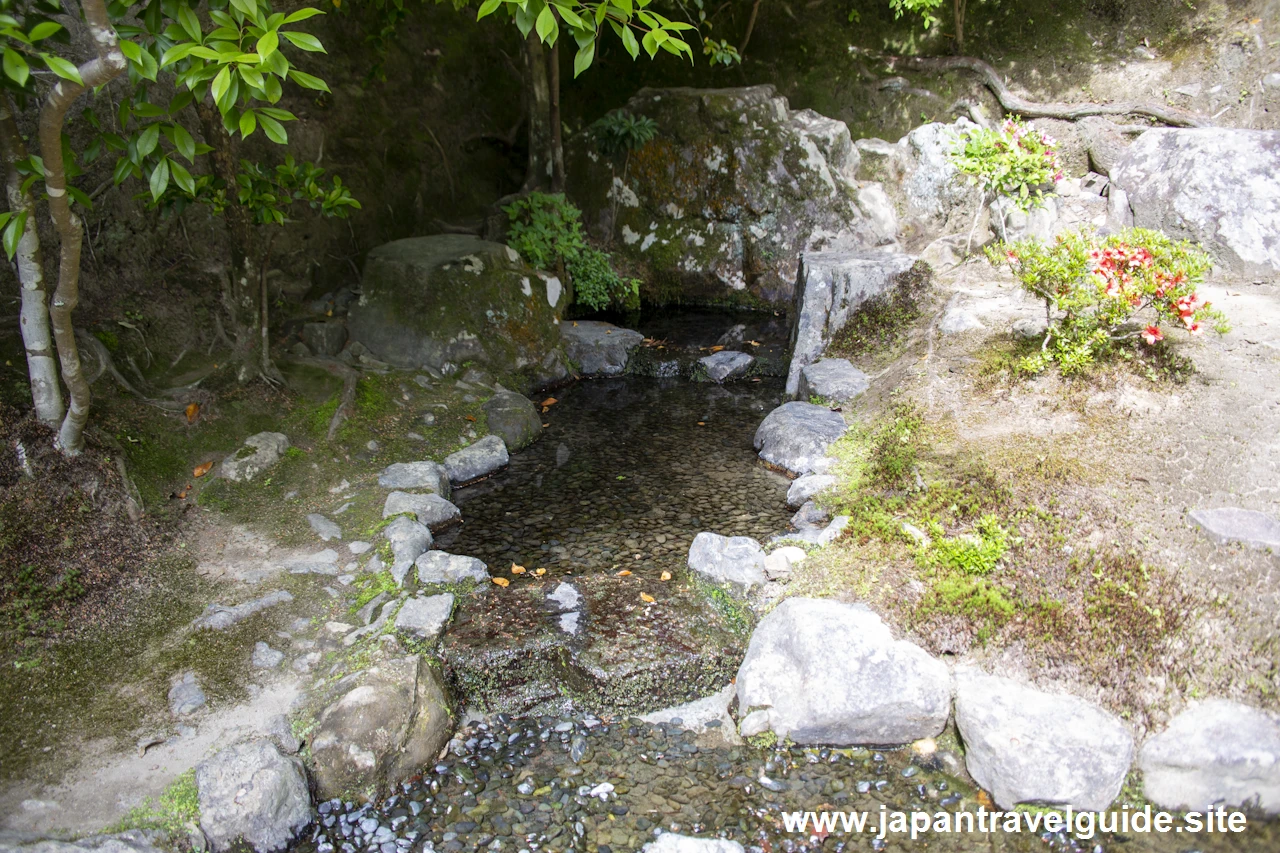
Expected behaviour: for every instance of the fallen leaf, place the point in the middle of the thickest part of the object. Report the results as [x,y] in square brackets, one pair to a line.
[575,324]
[544,410]
[517,570]
[984,800]
[624,573]
[550,401]
[202,469]
[716,348]
[702,423]
[193,409]
[501,581]
[755,343]
[540,572]
[471,418]
[666,576]
[647,598]
[544,426]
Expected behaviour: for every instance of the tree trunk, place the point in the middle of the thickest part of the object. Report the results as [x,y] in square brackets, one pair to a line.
[541,170]
[557,134]
[241,291]
[751,26]
[42,366]
[96,72]
[959,8]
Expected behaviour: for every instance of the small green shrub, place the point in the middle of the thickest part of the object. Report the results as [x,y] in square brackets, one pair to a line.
[620,131]
[547,232]
[1015,162]
[976,553]
[1098,293]
[895,448]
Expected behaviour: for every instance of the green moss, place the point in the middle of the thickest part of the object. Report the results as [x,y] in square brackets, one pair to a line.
[733,610]
[177,812]
[881,323]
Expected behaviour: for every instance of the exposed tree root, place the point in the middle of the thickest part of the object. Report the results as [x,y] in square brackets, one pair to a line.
[349,377]
[171,400]
[1031,109]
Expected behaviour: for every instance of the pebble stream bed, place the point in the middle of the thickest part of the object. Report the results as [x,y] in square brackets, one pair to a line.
[633,466]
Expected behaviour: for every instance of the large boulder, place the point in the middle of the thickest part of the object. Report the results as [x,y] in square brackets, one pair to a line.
[830,288]
[1027,746]
[426,475]
[726,364]
[514,418]
[251,792]
[824,672]
[738,560]
[795,436]
[259,453]
[384,724]
[1215,752]
[1219,187]
[720,204]
[443,300]
[598,348]
[477,461]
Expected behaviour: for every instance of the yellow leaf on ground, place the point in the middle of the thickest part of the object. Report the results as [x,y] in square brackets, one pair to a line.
[702,423]
[624,573]
[716,348]
[647,598]
[550,401]
[666,576]
[540,572]
[193,409]
[501,581]
[517,570]
[202,469]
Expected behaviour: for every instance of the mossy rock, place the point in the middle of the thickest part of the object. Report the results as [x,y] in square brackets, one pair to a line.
[445,300]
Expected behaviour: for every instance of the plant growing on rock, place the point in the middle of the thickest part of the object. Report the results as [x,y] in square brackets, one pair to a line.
[547,232]
[1099,292]
[1015,162]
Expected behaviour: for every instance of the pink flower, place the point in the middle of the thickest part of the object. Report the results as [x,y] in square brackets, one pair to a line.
[1151,334]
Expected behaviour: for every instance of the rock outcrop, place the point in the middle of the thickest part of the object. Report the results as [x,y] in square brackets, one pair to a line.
[824,672]
[513,418]
[734,187]
[477,461]
[436,302]
[596,348]
[1219,187]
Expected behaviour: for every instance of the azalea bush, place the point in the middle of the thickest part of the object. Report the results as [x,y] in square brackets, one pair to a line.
[1099,292]
[1017,162]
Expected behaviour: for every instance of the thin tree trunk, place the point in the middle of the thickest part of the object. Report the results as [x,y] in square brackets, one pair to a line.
[541,169]
[240,290]
[557,133]
[958,6]
[42,365]
[751,26]
[96,72]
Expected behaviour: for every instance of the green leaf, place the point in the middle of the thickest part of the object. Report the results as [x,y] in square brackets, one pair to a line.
[582,60]
[546,23]
[154,17]
[273,129]
[308,82]
[190,23]
[248,7]
[487,8]
[13,234]
[524,20]
[148,140]
[62,67]
[180,102]
[43,30]
[278,114]
[146,109]
[302,15]
[80,197]
[251,76]
[15,67]
[623,6]
[122,171]
[570,17]
[131,50]
[268,43]
[159,179]
[222,19]
[220,84]
[305,41]
[248,124]
[182,177]
[629,42]
[650,42]
[150,68]
[176,53]
[183,141]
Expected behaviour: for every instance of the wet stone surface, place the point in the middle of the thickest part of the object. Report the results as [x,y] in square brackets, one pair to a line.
[513,784]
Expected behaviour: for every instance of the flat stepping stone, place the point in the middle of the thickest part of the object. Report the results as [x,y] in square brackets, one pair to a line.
[807,487]
[597,348]
[323,527]
[1215,752]
[321,563]
[738,560]
[265,657]
[725,365]
[432,511]
[416,475]
[220,617]
[1231,524]
[425,616]
[185,695]
[832,379]
[439,567]
[481,459]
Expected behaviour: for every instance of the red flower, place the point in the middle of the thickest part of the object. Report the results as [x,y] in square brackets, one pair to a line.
[1151,334]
